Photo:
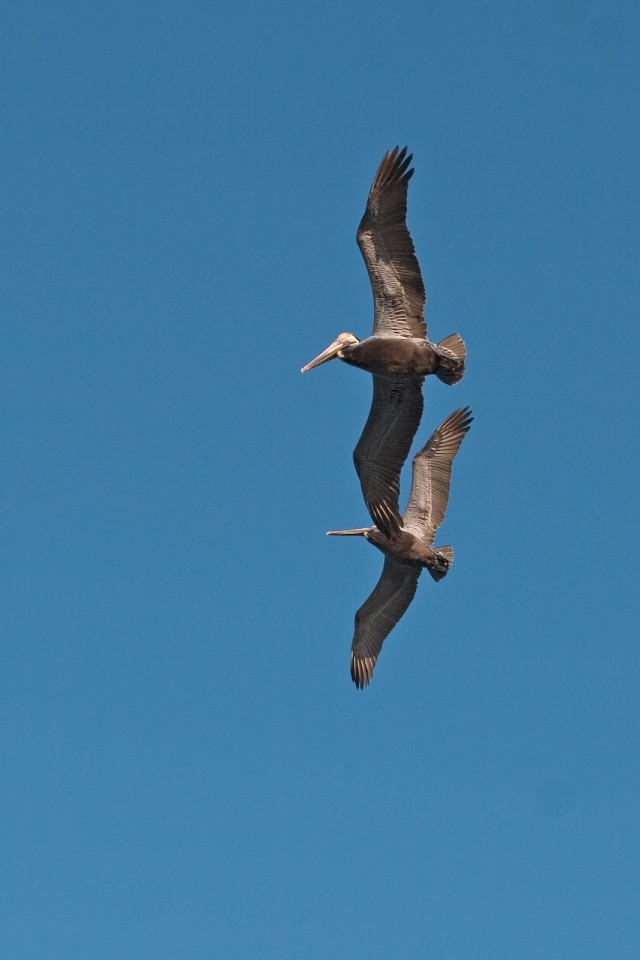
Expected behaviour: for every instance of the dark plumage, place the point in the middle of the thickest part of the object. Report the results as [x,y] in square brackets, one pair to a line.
[412,551]
[398,353]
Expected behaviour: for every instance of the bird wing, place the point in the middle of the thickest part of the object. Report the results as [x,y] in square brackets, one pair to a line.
[378,615]
[384,446]
[386,245]
[432,476]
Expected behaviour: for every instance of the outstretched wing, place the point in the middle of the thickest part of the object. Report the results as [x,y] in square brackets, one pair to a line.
[432,476]
[378,615]
[384,446]
[386,245]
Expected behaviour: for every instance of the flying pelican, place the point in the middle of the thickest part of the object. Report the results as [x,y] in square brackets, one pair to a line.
[406,556]
[398,353]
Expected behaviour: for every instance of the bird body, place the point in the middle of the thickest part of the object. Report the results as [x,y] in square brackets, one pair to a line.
[407,548]
[410,356]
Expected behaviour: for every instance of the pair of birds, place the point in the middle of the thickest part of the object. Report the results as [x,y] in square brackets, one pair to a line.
[399,356]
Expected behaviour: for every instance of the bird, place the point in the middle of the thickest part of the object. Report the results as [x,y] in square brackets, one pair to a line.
[398,353]
[407,555]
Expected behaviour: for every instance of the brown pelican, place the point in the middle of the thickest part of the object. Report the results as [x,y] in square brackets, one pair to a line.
[406,556]
[398,353]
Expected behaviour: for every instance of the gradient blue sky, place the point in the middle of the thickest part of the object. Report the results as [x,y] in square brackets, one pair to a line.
[187,770]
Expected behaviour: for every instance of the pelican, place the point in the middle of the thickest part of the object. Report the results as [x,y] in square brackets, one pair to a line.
[406,556]
[398,353]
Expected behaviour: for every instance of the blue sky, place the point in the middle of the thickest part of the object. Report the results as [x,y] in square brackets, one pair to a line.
[187,769]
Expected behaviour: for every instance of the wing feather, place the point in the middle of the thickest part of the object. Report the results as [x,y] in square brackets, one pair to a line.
[378,615]
[386,245]
[432,476]
[384,446]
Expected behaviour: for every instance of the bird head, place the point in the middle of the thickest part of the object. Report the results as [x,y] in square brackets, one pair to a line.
[333,350]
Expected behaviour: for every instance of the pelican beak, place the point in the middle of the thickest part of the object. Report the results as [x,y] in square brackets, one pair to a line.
[360,532]
[332,351]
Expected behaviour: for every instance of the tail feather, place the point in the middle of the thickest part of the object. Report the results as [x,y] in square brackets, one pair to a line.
[453,355]
[444,556]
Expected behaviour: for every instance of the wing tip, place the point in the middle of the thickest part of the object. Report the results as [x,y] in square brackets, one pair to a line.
[362,670]
[460,419]
[446,440]
[395,166]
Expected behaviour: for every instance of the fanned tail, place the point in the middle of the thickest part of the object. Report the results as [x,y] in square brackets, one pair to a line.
[453,354]
[444,559]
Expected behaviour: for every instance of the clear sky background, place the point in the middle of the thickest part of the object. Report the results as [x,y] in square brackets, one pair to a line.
[187,770]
